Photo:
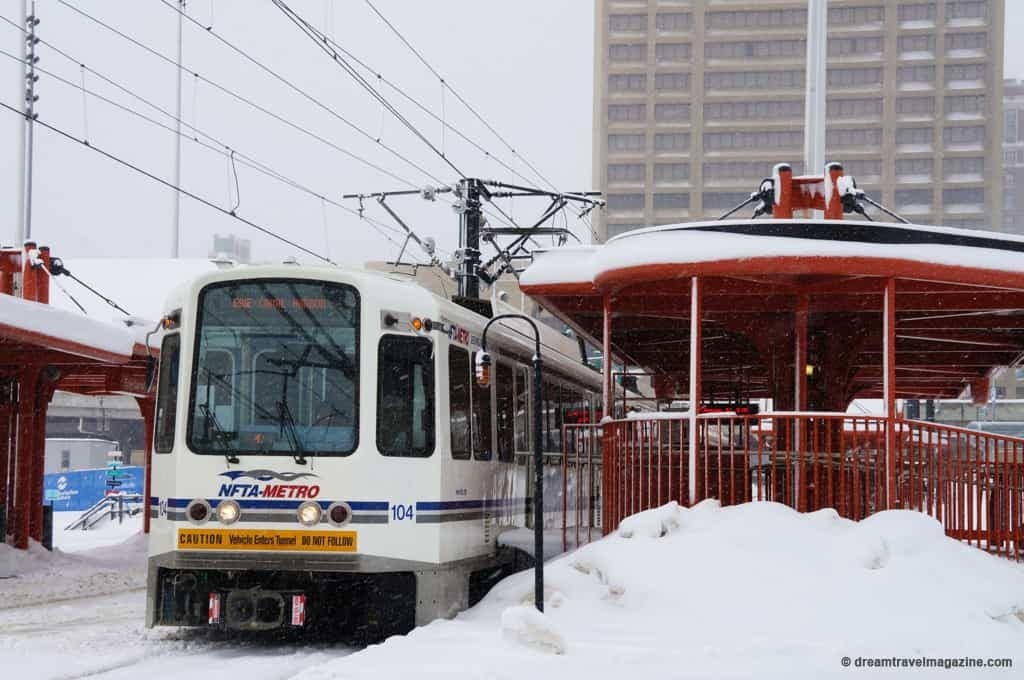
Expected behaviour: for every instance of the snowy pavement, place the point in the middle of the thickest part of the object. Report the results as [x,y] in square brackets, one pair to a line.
[753,591]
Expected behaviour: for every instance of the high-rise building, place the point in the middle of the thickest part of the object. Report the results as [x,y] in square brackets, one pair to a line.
[1013,156]
[696,100]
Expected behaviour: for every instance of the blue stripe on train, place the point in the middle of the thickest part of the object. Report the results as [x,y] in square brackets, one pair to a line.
[275,504]
[466,504]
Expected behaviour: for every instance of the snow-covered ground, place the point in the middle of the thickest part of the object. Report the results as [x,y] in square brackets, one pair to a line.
[756,591]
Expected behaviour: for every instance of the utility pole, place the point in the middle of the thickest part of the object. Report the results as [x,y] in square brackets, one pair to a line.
[470,222]
[19,222]
[814,105]
[176,212]
[30,114]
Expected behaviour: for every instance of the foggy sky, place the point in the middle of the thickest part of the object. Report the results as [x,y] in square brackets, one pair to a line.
[526,66]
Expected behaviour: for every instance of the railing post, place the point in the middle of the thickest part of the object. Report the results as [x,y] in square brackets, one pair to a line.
[889,389]
[696,309]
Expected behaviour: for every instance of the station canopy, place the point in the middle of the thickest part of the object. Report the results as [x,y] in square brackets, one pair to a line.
[959,304]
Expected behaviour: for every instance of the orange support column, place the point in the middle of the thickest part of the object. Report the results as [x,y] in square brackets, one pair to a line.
[5,456]
[28,381]
[147,407]
[29,282]
[800,317]
[43,395]
[10,416]
[833,202]
[696,310]
[783,176]
[889,389]
[607,394]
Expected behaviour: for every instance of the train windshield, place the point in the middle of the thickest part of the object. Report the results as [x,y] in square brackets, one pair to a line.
[276,369]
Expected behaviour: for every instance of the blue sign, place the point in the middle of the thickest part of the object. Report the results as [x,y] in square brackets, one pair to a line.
[81,489]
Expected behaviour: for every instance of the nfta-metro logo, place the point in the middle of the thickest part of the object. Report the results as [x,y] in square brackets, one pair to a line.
[264,486]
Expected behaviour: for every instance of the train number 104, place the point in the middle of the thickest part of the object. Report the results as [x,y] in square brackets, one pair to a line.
[400,512]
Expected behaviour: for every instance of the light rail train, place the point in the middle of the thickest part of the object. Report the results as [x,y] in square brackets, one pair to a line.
[323,456]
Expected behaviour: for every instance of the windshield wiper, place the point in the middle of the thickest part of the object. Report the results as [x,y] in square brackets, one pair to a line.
[220,436]
[287,424]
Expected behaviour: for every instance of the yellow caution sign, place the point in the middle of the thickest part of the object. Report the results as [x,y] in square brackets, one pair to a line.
[267,540]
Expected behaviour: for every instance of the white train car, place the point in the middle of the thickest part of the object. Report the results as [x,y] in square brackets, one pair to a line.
[323,456]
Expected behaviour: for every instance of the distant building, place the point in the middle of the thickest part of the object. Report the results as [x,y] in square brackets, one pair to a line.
[695,100]
[1013,155]
[231,247]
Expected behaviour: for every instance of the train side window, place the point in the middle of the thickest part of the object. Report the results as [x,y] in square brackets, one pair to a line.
[482,445]
[405,397]
[505,404]
[524,441]
[460,381]
[552,421]
[167,393]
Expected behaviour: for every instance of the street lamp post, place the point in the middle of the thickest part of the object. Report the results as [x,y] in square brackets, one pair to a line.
[483,362]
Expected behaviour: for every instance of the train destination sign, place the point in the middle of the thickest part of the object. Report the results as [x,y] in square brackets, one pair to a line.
[267,540]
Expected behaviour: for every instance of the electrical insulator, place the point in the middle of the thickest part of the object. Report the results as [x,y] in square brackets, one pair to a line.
[483,368]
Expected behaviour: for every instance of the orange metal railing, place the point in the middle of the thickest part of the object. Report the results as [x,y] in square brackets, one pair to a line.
[972,482]
[581,484]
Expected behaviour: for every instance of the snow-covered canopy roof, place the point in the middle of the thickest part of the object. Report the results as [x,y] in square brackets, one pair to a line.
[959,302]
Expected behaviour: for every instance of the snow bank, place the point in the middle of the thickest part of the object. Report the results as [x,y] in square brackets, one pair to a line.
[756,590]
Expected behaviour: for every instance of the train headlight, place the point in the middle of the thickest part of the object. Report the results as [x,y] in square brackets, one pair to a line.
[309,513]
[228,512]
[339,514]
[198,511]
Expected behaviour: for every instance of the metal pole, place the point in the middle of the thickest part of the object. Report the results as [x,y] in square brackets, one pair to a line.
[814,106]
[470,222]
[30,115]
[176,212]
[538,485]
[19,224]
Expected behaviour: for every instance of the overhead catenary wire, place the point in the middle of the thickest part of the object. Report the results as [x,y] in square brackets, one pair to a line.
[249,102]
[170,185]
[213,144]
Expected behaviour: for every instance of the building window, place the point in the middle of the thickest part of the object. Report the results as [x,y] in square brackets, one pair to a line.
[632,53]
[843,47]
[672,52]
[923,12]
[772,18]
[967,104]
[754,80]
[671,201]
[854,108]
[748,49]
[963,135]
[915,136]
[866,167]
[625,172]
[671,172]
[65,459]
[965,73]
[773,110]
[626,143]
[855,137]
[671,82]
[673,21]
[854,77]
[626,202]
[966,9]
[746,170]
[915,106]
[627,113]
[1011,123]
[764,139]
[973,168]
[966,41]
[913,197]
[855,16]
[627,23]
[627,82]
[963,196]
[724,200]
[914,167]
[671,113]
[908,44]
[915,74]
[675,141]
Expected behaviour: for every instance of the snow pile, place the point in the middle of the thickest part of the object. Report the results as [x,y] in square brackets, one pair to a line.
[37,575]
[756,590]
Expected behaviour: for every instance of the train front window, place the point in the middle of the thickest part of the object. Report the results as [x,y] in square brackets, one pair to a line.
[276,369]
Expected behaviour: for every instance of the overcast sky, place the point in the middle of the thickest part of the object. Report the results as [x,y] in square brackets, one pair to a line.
[526,66]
